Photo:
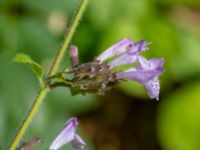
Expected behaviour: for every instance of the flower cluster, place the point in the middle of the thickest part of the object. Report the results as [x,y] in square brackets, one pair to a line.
[99,75]
[146,73]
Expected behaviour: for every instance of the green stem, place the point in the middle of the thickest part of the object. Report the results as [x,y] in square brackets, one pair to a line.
[69,34]
[45,88]
[28,118]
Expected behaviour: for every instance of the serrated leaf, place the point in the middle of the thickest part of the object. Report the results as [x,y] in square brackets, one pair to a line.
[35,67]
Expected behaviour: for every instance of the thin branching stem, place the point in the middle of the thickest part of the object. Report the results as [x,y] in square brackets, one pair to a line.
[45,88]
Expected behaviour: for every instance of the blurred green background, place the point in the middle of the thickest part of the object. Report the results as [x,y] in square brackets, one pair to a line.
[125,118]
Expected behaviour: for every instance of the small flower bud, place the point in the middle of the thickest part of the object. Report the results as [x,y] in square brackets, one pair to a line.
[73,53]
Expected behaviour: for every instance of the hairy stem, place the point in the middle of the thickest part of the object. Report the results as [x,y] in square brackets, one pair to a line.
[45,88]
[69,34]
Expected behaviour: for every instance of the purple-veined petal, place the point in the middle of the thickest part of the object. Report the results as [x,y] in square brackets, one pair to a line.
[130,56]
[153,88]
[147,74]
[66,135]
[78,142]
[117,49]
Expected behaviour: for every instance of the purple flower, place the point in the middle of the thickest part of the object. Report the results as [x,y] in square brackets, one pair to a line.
[68,135]
[147,72]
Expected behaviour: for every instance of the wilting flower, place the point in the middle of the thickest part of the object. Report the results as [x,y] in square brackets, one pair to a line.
[100,75]
[68,135]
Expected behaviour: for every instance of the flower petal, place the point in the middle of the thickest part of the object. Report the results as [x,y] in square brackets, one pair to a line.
[153,88]
[118,48]
[78,142]
[141,76]
[150,64]
[122,60]
[147,74]
[130,56]
[67,134]
[138,47]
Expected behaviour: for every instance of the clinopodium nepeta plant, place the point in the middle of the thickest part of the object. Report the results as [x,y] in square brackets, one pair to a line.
[97,76]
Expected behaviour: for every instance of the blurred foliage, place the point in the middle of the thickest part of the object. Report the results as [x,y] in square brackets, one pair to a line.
[37,28]
[179,120]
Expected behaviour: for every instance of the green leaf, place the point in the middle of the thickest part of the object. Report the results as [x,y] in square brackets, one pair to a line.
[35,67]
